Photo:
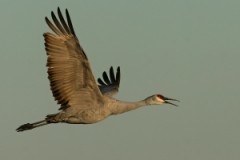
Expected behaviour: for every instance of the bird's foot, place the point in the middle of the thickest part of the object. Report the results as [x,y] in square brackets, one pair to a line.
[24,127]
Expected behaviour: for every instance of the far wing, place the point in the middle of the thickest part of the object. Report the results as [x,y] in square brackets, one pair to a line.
[110,84]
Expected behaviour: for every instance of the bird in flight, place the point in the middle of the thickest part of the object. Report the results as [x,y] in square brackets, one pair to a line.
[81,99]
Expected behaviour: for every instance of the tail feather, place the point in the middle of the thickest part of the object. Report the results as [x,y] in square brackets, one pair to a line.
[29,126]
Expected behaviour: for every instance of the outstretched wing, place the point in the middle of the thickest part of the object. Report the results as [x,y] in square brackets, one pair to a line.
[69,71]
[109,86]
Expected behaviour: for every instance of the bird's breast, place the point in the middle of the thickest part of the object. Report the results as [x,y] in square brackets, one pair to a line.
[94,115]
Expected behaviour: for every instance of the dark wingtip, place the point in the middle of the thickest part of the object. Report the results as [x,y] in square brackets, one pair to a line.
[105,78]
[67,13]
[118,69]
[46,19]
[59,10]
[118,76]
[53,15]
[111,70]
[70,24]
[100,81]
[111,74]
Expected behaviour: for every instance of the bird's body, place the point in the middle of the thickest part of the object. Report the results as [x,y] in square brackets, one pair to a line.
[73,85]
[94,114]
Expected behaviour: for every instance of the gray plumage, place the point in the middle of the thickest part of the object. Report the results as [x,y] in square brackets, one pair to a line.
[81,99]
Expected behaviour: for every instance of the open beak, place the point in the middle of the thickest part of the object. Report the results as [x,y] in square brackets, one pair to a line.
[166,100]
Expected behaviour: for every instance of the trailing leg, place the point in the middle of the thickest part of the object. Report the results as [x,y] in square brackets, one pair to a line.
[29,126]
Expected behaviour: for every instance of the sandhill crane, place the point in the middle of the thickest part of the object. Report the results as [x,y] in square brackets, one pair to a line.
[82,100]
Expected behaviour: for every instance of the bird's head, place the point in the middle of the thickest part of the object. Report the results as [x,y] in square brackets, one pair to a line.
[160,99]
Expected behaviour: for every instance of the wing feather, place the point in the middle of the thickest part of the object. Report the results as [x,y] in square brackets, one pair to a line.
[110,86]
[101,82]
[71,79]
[63,21]
[105,77]
[70,23]
[112,75]
[57,23]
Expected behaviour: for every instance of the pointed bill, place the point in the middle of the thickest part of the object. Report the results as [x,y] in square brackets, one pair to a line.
[166,100]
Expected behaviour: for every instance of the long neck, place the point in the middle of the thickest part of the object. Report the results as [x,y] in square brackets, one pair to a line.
[119,107]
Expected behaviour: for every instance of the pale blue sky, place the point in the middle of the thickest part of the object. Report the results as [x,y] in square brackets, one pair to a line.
[188,50]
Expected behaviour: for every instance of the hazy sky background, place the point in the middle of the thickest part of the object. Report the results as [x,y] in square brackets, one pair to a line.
[188,50]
